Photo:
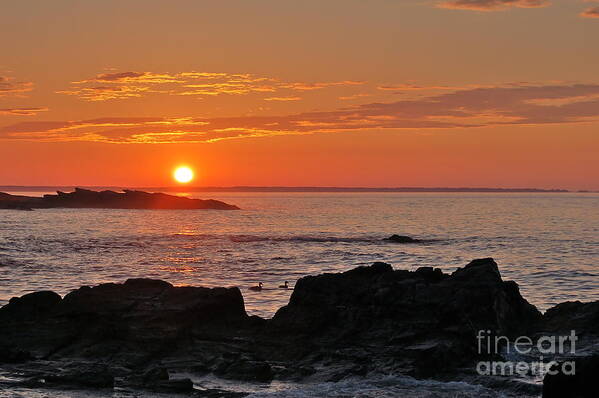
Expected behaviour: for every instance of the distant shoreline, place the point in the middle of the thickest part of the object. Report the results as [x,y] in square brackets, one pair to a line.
[17,188]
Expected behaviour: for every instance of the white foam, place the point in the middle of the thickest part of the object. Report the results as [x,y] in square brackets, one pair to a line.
[382,387]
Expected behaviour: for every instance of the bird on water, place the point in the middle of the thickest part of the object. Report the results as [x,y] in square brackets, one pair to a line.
[257,288]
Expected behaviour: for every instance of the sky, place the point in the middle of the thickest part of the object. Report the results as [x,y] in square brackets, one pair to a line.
[377,93]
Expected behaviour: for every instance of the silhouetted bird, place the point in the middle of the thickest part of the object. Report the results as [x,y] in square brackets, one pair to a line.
[285,286]
[257,288]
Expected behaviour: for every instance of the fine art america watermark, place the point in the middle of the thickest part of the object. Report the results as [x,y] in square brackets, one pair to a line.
[525,356]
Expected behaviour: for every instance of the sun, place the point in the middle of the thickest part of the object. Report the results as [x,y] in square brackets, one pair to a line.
[183,174]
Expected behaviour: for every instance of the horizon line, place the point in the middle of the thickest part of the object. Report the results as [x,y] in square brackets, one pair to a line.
[251,188]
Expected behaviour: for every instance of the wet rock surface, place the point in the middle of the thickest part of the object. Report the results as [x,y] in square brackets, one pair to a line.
[420,323]
[573,315]
[128,199]
[366,321]
[578,381]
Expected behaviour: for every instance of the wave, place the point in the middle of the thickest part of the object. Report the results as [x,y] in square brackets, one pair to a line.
[382,387]
[300,238]
[258,238]
[294,238]
[9,262]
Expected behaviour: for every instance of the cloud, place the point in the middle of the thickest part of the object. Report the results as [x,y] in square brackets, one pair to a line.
[105,93]
[492,5]
[416,87]
[230,87]
[561,101]
[318,86]
[10,86]
[500,5]
[592,12]
[353,97]
[22,111]
[283,99]
[125,85]
[513,104]
[133,77]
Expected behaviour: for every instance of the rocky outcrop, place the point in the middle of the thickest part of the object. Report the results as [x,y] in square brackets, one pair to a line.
[128,199]
[472,298]
[421,323]
[124,322]
[15,202]
[118,335]
[369,320]
[572,315]
[402,239]
[575,375]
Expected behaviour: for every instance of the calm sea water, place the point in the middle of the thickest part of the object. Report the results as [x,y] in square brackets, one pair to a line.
[548,243]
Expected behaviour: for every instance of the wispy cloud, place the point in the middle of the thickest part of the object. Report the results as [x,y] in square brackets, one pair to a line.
[133,77]
[124,85]
[492,5]
[318,86]
[22,111]
[283,99]
[500,5]
[417,87]
[510,104]
[11,86]
[354,96]
[592,12]
[105,93]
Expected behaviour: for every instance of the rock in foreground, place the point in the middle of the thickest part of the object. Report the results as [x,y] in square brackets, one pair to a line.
[367,321]
[84,198]
[422,323]
[134,318]
[582,383]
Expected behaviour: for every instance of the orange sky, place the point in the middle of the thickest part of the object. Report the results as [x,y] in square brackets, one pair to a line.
[332,92]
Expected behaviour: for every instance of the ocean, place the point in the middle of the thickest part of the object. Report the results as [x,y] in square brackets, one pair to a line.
[547,242]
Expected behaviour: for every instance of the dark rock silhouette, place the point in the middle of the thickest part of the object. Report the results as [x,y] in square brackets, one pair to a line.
[89,376]
[562,320]
[369,320]
[84,198]
[573,315]
[14,202]
[581,384]
[401,239]
[409,321]
[475,296]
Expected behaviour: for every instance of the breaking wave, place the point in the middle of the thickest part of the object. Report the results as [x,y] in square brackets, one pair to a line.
[382,387]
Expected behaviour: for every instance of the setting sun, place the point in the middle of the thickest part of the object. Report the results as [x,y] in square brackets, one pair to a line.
[183,175]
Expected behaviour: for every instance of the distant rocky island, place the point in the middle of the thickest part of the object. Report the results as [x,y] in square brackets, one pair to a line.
[366,321]
[128,199]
